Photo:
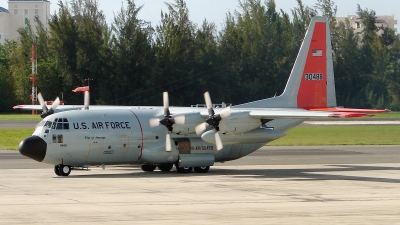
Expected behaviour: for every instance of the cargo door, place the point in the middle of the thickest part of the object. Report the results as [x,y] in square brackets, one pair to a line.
[93,153]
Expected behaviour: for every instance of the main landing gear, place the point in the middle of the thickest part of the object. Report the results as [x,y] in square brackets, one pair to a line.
[203,169]
[163,167]
[167,167]
[62,170]
[148,168]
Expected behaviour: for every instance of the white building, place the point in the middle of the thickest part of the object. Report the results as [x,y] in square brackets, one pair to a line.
[355,22]
[19,13]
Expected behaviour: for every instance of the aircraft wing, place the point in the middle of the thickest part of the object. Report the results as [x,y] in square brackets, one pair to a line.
[302,114]
[62,108]
[39,108]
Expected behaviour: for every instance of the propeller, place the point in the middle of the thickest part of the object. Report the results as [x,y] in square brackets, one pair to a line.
[46,112]
[168,121]
[213,120]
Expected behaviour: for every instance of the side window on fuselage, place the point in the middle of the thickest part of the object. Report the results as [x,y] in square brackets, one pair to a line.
[58,138]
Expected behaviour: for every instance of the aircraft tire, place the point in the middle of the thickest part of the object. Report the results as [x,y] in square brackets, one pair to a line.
[57,170]
[165,167]
[148,168]
[183,169]
[203,169]
[64,170]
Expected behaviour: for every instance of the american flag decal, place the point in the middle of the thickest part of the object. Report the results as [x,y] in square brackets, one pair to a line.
[316,52]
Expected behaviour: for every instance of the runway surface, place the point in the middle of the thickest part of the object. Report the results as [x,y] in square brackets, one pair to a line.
[275,185]
[18,124]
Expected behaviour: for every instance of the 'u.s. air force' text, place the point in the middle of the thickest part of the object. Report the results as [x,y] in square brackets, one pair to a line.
[102,125]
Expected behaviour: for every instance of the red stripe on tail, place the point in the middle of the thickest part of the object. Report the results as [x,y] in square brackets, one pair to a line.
[312,91]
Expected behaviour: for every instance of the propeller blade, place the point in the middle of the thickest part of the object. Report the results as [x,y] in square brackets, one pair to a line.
[154,122]
[165,100]
[42,103]
[218,141]
[207,98]
[167,143]
[55,104]
[201,128]
[225,112]
[179,119]
[41,100]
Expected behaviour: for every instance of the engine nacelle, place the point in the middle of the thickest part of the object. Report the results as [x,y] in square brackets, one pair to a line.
[239,122]
[260,135]
[155,153]
[191,121]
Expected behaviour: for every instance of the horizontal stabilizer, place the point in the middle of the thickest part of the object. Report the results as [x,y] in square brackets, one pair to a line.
[302,114]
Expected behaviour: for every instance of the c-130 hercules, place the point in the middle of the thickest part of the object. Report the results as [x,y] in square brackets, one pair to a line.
[188,137]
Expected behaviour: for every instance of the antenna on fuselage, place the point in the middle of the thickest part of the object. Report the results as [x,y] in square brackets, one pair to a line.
[86,100]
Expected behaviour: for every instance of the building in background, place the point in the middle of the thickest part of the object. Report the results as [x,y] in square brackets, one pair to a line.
[4,25]
[381,21]
[19,13]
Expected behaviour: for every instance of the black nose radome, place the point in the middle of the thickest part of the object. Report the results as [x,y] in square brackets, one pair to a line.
[33,147]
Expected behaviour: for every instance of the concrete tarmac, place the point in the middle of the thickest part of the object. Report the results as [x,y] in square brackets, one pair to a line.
[275,185]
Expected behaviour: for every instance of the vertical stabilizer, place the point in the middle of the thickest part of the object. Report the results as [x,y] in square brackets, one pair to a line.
[311,83]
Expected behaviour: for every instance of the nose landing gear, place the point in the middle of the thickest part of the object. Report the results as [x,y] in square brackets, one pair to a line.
[62,170]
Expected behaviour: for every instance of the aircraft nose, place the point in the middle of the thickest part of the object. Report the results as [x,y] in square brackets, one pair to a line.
[33,147]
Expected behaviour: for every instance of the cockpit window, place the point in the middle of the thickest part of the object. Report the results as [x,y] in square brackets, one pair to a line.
[48,124]
[41,124]
[58,124]
[62,124]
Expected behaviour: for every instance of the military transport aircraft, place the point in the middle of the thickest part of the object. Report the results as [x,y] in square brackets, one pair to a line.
[189,137]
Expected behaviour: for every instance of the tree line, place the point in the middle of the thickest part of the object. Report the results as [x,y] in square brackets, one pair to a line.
[131,62]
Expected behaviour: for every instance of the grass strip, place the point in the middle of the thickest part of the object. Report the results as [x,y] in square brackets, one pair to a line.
[340,135]
[10,139]
[388,115]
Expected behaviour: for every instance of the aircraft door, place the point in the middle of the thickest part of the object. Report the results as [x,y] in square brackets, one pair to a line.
[93,153]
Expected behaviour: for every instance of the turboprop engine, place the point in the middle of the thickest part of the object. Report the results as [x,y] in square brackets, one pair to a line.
[238,122]
[261,135]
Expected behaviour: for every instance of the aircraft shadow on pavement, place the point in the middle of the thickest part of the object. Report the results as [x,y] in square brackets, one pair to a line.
[318,173]
[300,174]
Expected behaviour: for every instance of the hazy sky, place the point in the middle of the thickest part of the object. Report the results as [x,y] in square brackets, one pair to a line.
[215,10]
